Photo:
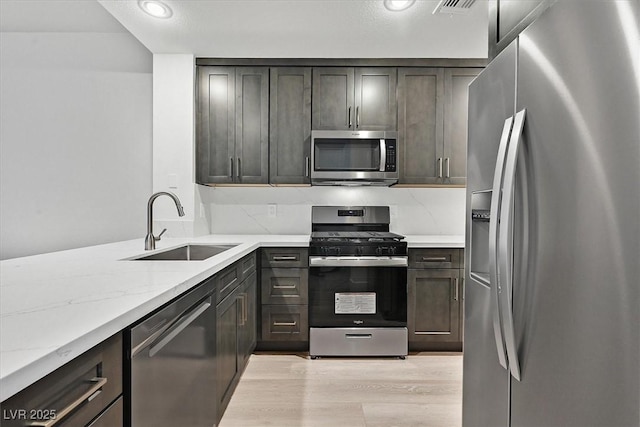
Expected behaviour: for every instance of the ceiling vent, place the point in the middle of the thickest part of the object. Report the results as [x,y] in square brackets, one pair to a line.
[453,6]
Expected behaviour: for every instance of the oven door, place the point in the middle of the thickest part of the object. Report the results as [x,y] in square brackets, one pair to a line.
[357,292]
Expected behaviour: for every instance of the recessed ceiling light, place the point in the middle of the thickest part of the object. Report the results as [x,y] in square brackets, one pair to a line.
[155,8]
[398,5]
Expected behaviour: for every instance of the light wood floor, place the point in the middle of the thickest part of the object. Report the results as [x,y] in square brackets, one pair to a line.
[294,391]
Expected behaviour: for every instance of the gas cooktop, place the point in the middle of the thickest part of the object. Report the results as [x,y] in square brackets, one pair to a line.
[355,236]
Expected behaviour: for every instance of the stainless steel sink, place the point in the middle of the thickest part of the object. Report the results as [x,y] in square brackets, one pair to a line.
[186,253]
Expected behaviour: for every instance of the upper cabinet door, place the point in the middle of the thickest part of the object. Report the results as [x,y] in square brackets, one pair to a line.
[252,125]
[215,139]
[290,125]
[507,19]
[333,102]
[420,125]
[375,99]
[456,111]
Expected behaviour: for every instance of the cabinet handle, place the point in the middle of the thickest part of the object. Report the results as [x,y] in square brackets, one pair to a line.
[285,258]
[231,167]
[285,323]
[439,167]
[246,308]
[96,388]
[238,171]
[434,258]
[462,288]
[284,286]
[357,116]
[307,166]
[448,175]
[242,304]
[455,284]
[358,336]
[349,117]
[180,325]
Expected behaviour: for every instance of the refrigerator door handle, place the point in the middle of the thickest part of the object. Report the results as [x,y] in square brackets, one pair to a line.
[505,244]
[493,242]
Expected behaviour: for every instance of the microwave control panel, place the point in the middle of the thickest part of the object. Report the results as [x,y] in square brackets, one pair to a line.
[390,163]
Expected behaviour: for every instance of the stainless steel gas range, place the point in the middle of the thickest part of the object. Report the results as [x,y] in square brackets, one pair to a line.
[357,283]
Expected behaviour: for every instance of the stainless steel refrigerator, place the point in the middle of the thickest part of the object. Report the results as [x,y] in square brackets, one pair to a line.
[552,298]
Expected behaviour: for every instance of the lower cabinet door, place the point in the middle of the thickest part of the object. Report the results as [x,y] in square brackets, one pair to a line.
[247,329]
[434,305]
[285,323]
[226,349]
[112,416]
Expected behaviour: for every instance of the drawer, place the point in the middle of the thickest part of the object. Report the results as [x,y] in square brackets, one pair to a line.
[226,281]
[285,285]
[285,323]
[247,265]
[75,393]
[229,278]
[285,257]
[434,258]
[113,416]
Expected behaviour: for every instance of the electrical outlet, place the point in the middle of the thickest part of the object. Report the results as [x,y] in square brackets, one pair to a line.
[272,211]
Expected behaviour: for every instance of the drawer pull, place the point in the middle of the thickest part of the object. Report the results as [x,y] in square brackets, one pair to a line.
[99,383]
[358,336]
[284,286]
[434,258]
[230,284]
[285,323]
[285,258]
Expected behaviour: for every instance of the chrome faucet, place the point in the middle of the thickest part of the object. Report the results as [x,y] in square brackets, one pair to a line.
[150,240]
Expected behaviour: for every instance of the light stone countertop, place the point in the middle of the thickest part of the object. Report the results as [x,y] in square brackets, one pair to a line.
[56,306]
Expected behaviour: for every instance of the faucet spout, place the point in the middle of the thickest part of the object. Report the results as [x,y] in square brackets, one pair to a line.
[150,240]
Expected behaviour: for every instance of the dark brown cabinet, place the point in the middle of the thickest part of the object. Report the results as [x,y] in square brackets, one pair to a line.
[247,325]
[432,124]
[507,18]
[86,388]
[232,125]
[290,125]
[284,298]
[354,98]
[420,130]
[456,107]
[236,326]
[435,299]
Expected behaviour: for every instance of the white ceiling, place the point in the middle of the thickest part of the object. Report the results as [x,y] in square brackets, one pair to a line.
[268,28]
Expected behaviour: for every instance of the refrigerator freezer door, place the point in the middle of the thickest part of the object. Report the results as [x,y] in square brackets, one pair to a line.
[576,311]
[485,382]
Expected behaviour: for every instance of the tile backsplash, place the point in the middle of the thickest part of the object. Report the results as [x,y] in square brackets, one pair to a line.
[287,210]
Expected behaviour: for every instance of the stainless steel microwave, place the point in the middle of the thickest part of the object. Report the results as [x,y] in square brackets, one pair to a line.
[347,157]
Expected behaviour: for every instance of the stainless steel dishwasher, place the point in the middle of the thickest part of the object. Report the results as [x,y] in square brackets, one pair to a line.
[173,373]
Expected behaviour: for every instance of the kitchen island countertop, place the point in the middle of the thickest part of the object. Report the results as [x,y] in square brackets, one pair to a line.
[56,306]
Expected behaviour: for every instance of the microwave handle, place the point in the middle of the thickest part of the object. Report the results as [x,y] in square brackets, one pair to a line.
[383,155]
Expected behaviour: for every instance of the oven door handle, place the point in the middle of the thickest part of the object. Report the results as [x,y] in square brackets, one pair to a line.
[364,261]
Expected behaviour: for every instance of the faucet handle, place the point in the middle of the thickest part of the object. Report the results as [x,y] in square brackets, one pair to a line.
[160,235]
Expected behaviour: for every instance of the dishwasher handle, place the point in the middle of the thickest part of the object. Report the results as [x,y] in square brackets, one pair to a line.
[178,327]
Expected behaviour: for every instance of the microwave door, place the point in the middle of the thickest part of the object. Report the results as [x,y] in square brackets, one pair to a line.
[347,155]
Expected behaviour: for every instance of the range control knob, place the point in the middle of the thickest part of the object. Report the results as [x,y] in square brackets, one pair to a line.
[332,250]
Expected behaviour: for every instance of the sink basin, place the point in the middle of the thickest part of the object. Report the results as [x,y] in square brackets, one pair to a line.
[186,253]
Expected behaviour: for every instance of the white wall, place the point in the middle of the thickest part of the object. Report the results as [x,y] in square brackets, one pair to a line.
[174,145]
[76,142]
